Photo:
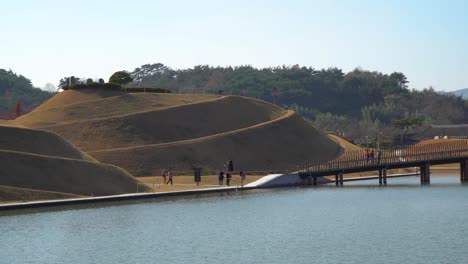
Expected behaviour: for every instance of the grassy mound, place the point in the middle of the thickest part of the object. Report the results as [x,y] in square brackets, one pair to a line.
[73,176]
[145,132]
[169,124]
[38,142]
[55,112]
[50,167]
[277,145]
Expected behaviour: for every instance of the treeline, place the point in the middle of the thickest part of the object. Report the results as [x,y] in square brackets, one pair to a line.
[18,90]
[360,104]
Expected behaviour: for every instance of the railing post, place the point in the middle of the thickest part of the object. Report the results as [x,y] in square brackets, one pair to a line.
[380,176]
[425,173]
[384,175]
[464,171]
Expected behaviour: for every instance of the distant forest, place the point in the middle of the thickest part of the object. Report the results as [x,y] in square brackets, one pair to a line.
[367,106]
[16,89]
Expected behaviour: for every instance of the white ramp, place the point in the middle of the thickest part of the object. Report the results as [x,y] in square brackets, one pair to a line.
[265,179]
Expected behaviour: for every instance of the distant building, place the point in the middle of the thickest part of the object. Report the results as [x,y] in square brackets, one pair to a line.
[460,130]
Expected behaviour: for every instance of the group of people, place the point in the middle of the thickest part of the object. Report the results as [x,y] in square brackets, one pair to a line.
[228,176]
[371,156]
[168,175]
[165,174]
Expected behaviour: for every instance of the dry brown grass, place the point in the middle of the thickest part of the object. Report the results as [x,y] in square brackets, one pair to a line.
[346,145]
[58,112]
[187,182]
[10,194]
[73,176]
[38,142]
[45,166]
[169,124]
[143,133]
[147,132]
[76,96]
[277,145]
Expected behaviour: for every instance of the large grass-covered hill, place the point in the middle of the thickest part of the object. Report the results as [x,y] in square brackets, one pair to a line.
[145,132]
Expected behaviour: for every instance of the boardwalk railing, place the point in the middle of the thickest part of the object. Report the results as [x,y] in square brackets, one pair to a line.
[435,150]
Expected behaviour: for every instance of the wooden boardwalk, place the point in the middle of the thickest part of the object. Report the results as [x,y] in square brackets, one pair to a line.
[421,155]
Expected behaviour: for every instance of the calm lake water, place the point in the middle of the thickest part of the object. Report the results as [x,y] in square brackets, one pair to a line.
[359,223]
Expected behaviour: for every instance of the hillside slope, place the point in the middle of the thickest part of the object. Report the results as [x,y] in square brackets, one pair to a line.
[167,125]
[280,144]
[69,106]
[145,132]
[10,194]
[38,142]
[37,164]
[73,176]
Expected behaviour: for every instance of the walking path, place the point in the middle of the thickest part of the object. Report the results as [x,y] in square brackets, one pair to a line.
[272,180]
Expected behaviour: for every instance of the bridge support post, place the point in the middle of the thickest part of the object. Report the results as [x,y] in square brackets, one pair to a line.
[315,181]
[341,178]
[337,179]
[425,174]
[380,176]
[384,176]
[464,171]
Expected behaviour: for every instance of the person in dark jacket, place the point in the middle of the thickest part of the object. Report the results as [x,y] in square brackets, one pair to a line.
[228,178]
[230,166]
[221,178]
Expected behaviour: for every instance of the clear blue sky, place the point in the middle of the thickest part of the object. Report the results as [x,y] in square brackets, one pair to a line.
[49,39]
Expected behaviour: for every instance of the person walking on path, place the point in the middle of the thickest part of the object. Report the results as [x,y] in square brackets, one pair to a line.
[228,178]
[171,175]
[242,176]
[221,178]
[230,166]
[379,156]
[367,156]
[163,175]
[372,155]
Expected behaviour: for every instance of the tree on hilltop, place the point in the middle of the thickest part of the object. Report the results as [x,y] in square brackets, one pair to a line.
[120,77]
[406,124]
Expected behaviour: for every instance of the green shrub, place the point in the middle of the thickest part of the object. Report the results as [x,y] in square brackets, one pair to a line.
[120,77]
[81,86]
[147,90]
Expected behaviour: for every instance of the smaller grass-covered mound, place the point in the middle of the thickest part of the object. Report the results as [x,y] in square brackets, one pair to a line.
[38,142]
[277,145]
[64,175]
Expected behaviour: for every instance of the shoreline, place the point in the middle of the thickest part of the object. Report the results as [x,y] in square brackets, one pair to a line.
[147,195]
[114,198]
